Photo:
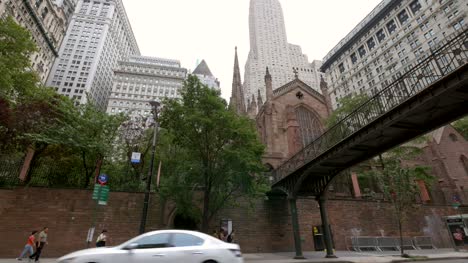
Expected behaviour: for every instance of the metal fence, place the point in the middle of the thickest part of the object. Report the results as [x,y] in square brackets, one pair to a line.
[370,243]
[440,63]
[50,173]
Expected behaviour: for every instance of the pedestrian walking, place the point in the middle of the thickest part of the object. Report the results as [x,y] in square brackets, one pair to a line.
[230,237]
[41,242]
[102,239]
[222,235]
[29,247]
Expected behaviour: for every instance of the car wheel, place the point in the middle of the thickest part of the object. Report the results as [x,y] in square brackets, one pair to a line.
[210,261]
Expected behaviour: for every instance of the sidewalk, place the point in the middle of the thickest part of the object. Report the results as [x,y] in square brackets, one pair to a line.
[343,257]
[355,257]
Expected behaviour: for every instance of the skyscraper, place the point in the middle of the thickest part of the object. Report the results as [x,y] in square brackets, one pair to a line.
[99,35]
[269,48]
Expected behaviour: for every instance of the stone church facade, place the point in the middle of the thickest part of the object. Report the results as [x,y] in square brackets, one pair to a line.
[289,118]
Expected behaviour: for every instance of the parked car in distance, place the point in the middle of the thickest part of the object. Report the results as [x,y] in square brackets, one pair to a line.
[162,246]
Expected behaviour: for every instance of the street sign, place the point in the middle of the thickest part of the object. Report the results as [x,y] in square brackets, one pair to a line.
[104,195]
[101,194]
[97,188]
[136,157]
[103,179]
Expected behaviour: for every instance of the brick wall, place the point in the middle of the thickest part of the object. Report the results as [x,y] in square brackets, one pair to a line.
[264,227]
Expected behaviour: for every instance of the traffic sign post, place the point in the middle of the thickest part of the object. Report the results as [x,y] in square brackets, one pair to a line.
[101,195]
[456,204]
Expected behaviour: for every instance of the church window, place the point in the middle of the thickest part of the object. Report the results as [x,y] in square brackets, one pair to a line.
[309,125]
[453,137]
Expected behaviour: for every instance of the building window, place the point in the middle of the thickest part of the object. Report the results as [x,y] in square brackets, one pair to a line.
[415,6]
[391,26]
[341,67]
[453,137]
[362,51]
[371,43]
[353,58]
[403,17]
[381,35]
[459,24]
[309,125]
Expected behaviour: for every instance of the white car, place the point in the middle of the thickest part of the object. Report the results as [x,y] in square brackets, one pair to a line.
[162,247]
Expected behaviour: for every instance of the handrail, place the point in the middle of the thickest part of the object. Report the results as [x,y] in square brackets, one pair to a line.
[440,63]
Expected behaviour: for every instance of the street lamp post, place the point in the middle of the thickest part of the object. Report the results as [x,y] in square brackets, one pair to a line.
[144,214]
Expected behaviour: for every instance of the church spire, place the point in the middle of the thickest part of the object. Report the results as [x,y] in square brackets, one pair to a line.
[237,102]
[326,95]
[259,99]
[269,85]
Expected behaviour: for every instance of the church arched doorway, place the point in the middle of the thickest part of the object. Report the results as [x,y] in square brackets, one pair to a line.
[185,222]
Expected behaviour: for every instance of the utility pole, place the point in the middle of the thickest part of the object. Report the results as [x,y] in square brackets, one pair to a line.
[144,214]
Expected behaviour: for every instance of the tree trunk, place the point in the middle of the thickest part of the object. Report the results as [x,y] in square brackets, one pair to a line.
[85,166]
[400,229]
[206,211]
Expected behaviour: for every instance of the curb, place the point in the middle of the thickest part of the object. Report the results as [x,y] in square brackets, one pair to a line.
[428,259]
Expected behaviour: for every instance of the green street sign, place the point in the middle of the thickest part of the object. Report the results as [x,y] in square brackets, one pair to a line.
[101,194]
[104,195]
[97,188]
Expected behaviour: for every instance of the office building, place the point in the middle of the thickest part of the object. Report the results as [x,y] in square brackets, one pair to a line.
[98,37]
[47,23]
[139,80]
[395,36]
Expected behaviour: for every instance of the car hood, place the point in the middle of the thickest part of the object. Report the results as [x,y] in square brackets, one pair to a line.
[90,251]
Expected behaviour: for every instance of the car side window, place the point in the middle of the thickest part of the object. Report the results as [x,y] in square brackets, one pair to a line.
[153,241]
[186,240]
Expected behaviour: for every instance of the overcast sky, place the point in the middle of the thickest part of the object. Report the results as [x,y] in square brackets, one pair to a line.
[188,30]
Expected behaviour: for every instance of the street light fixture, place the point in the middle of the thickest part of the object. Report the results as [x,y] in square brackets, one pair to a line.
[154,105]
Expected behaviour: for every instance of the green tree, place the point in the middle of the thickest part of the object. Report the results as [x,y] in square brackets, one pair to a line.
[347,105]
[220,151]
[462,126]
[16,47]
[87,131]
[399,182]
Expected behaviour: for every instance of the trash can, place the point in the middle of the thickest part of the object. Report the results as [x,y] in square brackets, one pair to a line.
[319,238]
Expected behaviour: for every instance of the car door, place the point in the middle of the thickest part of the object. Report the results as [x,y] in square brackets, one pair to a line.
[148,249]
[189,248]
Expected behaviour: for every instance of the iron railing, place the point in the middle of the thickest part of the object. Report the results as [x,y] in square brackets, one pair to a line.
[440,63]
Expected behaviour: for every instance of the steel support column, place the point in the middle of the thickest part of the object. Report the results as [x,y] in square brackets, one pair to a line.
[326,227]
[295,225]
